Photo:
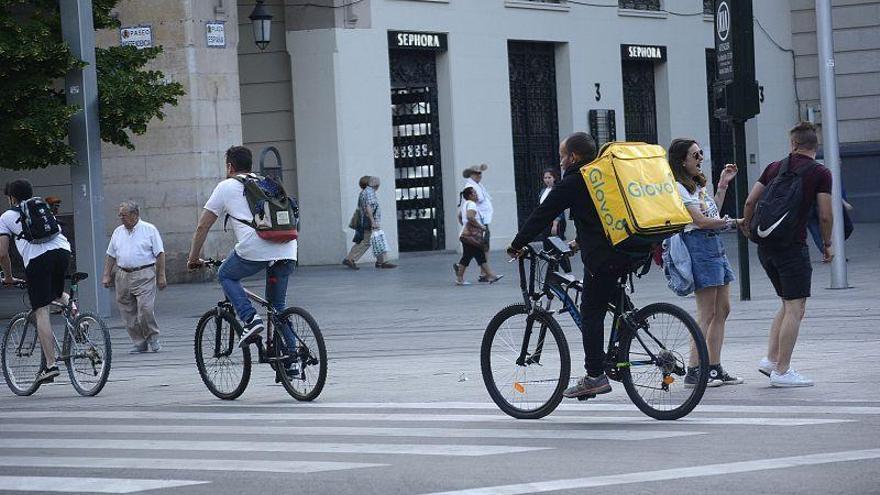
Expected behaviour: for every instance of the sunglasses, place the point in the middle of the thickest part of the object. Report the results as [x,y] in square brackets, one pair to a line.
[697,154]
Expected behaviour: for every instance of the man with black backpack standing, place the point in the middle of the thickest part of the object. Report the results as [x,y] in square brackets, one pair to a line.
[775,217]
[46,255]
[263,219]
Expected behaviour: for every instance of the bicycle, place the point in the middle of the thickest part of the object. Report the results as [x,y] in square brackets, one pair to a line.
[296,353]
[642,354]
[85,351]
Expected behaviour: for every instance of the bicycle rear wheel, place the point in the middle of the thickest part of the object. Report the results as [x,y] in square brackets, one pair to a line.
[525,362]
[224,367]
[22,356]
[301,353]
[655,354]
[87,354]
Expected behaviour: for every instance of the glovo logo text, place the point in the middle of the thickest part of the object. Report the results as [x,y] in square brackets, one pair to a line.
[597,182]
[638,189]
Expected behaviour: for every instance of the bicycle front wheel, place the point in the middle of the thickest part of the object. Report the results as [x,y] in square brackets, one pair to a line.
[654,360]
[87,354]
[525,362]
[224,367]
[22,356]
[301,354]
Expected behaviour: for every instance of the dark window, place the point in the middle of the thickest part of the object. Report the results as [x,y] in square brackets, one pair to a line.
[639,4]
[639,105]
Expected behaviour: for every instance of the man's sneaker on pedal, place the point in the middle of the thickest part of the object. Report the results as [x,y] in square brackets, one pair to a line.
[252,330]
[588,385]
[47,375]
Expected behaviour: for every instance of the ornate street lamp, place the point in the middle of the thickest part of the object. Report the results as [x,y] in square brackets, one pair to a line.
[261,20]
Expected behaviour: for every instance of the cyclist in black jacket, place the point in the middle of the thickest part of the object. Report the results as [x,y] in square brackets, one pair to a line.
[603,265]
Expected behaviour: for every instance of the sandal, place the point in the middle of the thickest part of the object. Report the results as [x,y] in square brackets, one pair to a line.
[386,265]
[497,278]
[464,282]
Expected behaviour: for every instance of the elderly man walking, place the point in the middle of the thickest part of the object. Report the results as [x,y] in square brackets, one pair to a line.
[135,264]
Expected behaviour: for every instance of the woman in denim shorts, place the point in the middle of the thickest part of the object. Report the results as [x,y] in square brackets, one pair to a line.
[711,269]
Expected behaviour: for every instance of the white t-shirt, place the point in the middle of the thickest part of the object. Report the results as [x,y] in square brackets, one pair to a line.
[465,206]
[701,199]
[228,197]
[141,246]
[484,200]
[10,226]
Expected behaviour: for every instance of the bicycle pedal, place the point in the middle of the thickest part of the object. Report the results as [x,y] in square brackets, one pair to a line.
[583,398]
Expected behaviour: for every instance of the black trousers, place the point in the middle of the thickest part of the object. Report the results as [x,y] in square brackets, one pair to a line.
[470,252]
[600,288]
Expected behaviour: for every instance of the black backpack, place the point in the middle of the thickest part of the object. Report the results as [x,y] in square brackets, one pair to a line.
[38,223]
[777,212]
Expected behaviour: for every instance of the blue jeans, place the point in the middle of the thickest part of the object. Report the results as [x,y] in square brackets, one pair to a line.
[236,268]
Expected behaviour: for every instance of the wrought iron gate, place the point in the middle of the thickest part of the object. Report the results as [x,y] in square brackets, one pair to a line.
[639,104]
[416,132]
[534,119]
[720,137]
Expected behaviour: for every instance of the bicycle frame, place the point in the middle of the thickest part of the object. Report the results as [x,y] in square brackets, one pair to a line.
[558,286]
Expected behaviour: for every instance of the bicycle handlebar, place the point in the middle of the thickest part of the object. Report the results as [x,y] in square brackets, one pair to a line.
[211,263]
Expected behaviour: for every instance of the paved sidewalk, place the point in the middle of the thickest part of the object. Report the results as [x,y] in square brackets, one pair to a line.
[411,335]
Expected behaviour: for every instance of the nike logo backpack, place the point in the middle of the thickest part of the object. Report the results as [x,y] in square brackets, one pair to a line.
[777,212]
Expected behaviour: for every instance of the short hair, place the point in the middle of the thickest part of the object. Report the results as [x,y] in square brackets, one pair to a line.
[19,190]
[581,144]
[467,191]
[131,206]
[240,158]
[364,181]
[373,181]
[804,136]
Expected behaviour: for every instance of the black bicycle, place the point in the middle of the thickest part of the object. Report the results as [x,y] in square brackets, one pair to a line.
[293,347]
[525,357]
[85,349]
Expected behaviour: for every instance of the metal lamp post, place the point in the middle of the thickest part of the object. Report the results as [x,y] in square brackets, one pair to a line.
[261,21]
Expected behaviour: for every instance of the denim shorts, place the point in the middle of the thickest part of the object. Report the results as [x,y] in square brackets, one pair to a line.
[708,260]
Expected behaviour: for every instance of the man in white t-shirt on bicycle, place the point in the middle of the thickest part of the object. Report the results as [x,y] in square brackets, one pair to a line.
[251,254]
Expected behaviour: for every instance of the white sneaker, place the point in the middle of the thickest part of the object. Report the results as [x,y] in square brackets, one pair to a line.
[790,378]
[766,366]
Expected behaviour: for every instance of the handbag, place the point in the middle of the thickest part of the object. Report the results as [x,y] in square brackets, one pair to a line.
[475,237]
[355,222]
[378,243]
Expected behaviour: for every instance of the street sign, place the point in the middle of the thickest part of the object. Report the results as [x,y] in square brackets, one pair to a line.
[735,90]
[137,36]
[215,32]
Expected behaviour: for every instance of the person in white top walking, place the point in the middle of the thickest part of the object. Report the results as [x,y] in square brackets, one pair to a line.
[473,178]
[135,265]
[251,255]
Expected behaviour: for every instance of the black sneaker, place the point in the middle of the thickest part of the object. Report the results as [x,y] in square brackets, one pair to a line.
[588,386]
[692,377]
[292,373]
[47,375]
[722,376]
[252,330]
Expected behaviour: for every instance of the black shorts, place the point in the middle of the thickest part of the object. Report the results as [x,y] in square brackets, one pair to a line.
[789,270]
[45,277]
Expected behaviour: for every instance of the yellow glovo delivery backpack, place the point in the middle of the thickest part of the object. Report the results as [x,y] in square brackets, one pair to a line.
[635,194]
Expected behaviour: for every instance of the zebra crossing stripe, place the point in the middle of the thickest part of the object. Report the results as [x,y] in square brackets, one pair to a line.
[526,432]
[589,407]
[164,463]
[671,474]
[390,417]
[251,446]
[59,484]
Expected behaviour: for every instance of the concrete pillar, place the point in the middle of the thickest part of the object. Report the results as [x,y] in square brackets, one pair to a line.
[177,163]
